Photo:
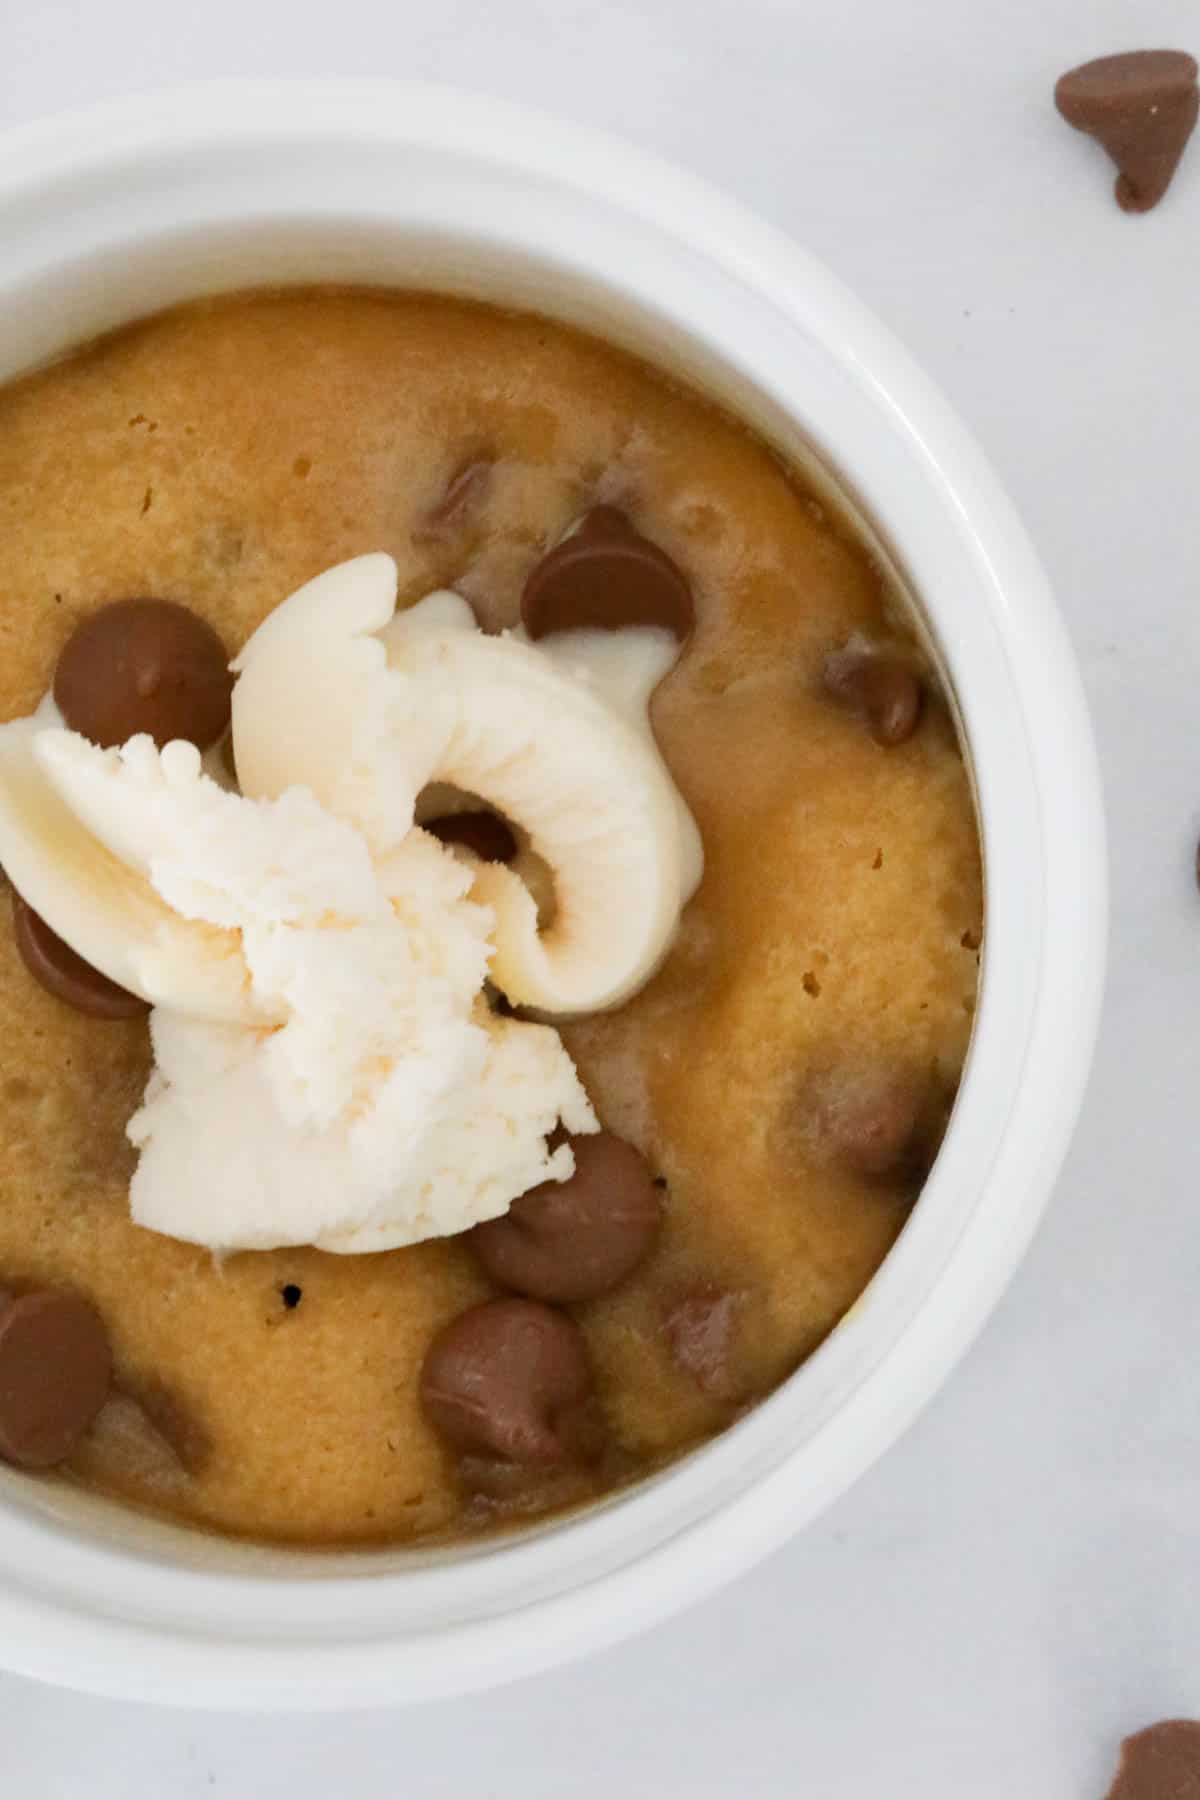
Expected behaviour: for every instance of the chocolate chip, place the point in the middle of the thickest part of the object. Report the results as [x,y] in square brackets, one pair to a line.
[881,687]
[869,1119]
[291,1295]
[62,972]
[486,833]
[55,1369]
[1142,107]
[511,1379]
[606,574]
[699,1328]
[464,494]
[573,1240]
[144,666]
[1160,1763]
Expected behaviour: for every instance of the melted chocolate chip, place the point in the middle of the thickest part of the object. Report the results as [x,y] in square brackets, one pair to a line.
[486,833]
[144,666]
[879,686]
[55,1370]
[700,1329]
[869,1119]
[1160,1763]
[574,1240]
[1142,107]
[606,575]
[62,972]
[511,1379]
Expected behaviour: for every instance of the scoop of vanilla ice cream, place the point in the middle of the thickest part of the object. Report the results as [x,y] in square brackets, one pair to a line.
[387,1105]
[327,1068]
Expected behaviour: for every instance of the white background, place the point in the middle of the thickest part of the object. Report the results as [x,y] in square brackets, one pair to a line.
[1016,1585]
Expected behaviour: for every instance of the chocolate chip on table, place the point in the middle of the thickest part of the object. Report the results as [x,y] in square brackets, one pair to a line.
[1142,107]
[700,1329]
[881,687]
[486,833]
[607,575]
[144,666]
[1160,1763]
[512,1379]
[464,494]
[869,1119]
[62,972]
[574,1240]
[55,1370]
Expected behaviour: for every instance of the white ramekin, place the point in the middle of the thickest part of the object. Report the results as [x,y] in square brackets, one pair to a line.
[111,214]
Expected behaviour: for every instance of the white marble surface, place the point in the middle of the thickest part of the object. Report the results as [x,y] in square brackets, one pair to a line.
[1015,1585]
